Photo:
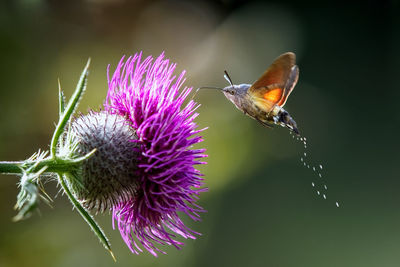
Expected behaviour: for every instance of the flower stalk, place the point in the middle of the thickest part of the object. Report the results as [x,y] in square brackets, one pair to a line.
[53,165]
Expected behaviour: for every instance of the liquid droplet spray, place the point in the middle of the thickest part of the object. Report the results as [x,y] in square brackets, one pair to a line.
[319,186]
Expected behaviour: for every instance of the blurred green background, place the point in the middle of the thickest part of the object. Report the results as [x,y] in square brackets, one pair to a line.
[262,209]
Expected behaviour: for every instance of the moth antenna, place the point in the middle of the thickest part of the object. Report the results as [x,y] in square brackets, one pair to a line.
[228,78]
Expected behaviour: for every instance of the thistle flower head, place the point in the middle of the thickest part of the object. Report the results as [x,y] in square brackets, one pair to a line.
[144,139]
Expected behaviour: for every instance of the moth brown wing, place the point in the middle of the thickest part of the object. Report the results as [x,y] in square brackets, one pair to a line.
[277,76]
[277,73]
[290,84]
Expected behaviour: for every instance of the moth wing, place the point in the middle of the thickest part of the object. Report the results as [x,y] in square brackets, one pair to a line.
[267,97]
[290,84]
[277,82]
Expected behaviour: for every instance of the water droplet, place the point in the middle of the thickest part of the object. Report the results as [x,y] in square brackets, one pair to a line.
[317,169]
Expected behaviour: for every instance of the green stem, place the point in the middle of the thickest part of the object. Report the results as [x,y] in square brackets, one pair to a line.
[53,165]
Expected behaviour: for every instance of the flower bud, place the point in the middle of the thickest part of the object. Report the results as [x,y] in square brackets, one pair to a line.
[110,175]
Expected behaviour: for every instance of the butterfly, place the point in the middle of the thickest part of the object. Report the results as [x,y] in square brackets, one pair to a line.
[264,99]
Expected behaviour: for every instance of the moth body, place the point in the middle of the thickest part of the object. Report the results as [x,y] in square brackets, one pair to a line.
[240,96]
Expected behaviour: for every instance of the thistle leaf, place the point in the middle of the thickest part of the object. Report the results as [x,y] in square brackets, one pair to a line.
[29,195]
[69,110]
[61,100]
[85,215]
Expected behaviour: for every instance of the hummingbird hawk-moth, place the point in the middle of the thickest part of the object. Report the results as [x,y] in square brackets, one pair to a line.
[264,99]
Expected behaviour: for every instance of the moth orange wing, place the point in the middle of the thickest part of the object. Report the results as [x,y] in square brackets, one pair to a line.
[273,95]
[267,97]
[277,82]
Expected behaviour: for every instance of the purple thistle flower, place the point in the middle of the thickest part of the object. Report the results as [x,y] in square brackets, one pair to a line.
[165,182]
